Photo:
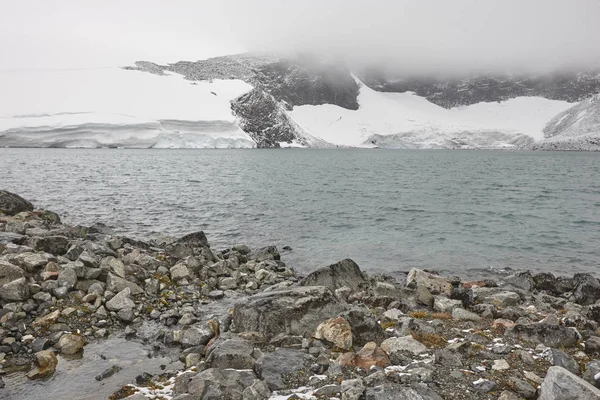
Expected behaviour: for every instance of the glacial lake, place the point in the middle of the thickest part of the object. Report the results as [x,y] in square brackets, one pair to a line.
[458,212]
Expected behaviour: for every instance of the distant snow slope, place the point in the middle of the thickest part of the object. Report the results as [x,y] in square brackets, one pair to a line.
[577,128]
[409,121]
[117,107]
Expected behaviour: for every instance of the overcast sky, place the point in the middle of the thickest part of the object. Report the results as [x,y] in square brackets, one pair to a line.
[420,35]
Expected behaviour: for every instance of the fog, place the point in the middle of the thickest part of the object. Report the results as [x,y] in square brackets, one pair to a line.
[431,35]
[435,36]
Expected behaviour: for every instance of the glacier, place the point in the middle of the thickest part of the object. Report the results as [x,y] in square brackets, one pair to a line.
[114,107]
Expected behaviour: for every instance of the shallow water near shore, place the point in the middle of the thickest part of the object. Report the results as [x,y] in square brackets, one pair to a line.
[458,212]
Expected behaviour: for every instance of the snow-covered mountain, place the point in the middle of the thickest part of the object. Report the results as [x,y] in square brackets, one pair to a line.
[577,128]
[264,100]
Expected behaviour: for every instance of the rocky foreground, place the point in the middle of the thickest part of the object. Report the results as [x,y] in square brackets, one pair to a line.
[335,333]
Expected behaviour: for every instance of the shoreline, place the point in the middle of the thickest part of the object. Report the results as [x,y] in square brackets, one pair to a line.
[247,326]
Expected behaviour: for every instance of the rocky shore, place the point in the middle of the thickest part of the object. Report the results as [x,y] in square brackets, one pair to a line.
[246,326]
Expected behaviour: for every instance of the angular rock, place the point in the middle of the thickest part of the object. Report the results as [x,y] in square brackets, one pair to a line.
[435,284]
[445,305]
[216,384]
[370,355]
[503,299]
[345,273]
[17,290]
[233,353]
[31,262]
[107,373]
[120,301]
[389,391]
[57,245]
[179,272]
[12,204]
[464,315]
[196,336]
[47,320]
[337,331]
[257,391]
[424,297]
[277,367]
[363,324]
[587,289]
[352,389]
[296,311]
[405,344]
[116,284]
[9,272]
[561,384]
[560,358]
[592,373]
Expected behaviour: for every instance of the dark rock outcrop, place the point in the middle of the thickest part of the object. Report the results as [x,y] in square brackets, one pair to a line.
[11,204]
[343,273]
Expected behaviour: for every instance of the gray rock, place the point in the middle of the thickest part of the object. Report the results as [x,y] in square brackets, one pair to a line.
[587,289]
[70,344]
[120,301]
[107,373]
[522,387]
[445,305]
[9,272]
[424,297]
[503,299]
[57,245]
[405,344]
[17,290]
[216,384]
[561,384]
[31,262]
[196,336]
[116,284]
[560,358]
[179,272]
[592,373]
[435,284]
[389,391]
[257,391]
[343,273]
[297,311]
[278,367]
[464,315]
[114,265]
[12,204]
[363,324]
[547,334]
[227,283]
[352,389]
[233,353]
[67,277]
[484,385]
[448,358]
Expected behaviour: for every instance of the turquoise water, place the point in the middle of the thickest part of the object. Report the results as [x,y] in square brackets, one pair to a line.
[460,212]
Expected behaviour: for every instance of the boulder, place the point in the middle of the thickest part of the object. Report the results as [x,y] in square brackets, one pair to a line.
[560,358]
[365,327]
[445,305]
[336,331]
[463,315]
[283,366]
[179,272]
[31,262]
[343,273]
[503,299]
[257,391]
[17,290]
[435,284]
[46,363]
[233,353]
[216,384]
[404,344]
[70,344]
[9,272]
[195,239]
[561,384]
[12,204]
[296,311]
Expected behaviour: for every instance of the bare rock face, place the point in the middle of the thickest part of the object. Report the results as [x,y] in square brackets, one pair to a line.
[561,384]
[297,311]
[11,204]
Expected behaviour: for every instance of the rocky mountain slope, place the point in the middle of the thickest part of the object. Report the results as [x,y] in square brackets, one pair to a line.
[578,128]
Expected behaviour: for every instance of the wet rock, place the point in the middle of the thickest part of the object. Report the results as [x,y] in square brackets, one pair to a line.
[337,331]
[282,367]
[12,204]
[107,373]
[232,353]
[296,311]
[553,285]
[435,284]
[345,273]
[266,253]
[70,344]
[17,290]
[9,272]
[40,344]
[46,363]
[405,344]
[547,334]
[561,384]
